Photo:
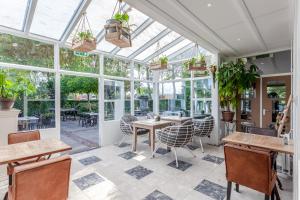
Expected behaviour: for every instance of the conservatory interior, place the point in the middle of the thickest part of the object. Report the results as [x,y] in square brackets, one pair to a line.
[149,99]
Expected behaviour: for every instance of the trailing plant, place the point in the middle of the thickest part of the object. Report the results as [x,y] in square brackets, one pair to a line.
[14,85]
[163,60]
[85,35]
[233,79]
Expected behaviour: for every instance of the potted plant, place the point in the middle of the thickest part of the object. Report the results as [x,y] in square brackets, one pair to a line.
[197,63]
[213,70]
[233,79]
[11,87]
[117,29]
[84,41]
[161,63]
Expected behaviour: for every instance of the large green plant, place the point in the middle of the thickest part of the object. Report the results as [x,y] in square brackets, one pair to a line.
[233,79]
[15,84]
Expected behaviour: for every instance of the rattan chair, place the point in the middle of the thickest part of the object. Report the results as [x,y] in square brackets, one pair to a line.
[176,137]
[126,127]
[203,128]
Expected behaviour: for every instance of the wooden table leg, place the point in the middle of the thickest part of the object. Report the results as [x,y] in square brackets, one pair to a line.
[134,143]
[152,132]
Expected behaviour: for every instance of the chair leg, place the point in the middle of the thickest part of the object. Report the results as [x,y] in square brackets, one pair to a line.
[229,184]
[190,151]
[153,154]
[6,196]
[276,193]
[267,197]
[175,153]
[279,183]
[237,187]
[201,145]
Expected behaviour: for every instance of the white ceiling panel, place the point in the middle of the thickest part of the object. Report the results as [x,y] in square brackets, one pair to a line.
[262,7]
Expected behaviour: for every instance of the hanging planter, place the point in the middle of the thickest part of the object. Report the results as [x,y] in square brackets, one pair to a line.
[117,29]
[160,62]
[198,62]
[213,70]
[83,40]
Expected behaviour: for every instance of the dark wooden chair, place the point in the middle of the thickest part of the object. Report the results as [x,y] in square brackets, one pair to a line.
[252,168]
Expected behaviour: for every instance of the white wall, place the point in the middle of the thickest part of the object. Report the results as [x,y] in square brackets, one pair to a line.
[111,133]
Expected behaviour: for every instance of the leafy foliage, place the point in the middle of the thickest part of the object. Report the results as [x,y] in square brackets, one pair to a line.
[85,35]
[234,79]
[163,60]
[123,18]
[116,67]
[14,83]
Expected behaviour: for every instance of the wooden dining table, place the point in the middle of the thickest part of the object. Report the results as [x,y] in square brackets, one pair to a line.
[261,141]
[33,149]
[150,125]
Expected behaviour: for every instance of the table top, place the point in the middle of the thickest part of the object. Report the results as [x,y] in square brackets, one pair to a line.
[27,150]
[27,118]
[261,141]
[176,118]
[150,123]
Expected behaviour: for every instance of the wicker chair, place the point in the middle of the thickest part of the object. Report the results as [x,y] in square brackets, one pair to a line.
[150,115]
[176,137]
[126,127]
[203,128]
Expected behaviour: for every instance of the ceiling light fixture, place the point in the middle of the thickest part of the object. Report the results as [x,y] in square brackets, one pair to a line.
[209,5]
[239,39]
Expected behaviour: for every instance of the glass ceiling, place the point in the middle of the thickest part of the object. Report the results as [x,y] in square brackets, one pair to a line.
[51,19]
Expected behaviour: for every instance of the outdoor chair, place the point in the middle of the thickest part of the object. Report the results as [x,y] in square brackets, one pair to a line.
[252,168]
[150,115]
[127,129]
[176,137]
[47,180]
[203,128]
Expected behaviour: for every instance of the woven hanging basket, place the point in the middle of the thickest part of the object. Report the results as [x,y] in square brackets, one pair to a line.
[83,39]
[117,32]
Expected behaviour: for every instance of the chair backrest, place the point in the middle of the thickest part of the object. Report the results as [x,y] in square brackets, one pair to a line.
[129,118]
[263,131]
[250,167]
[125,124]
[23,136]
[150,115]
[47,180]
[204,127]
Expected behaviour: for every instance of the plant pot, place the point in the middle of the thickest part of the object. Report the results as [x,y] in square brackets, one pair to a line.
[227,116]
[110,22]
[158,66]
[6,104]
[116,34]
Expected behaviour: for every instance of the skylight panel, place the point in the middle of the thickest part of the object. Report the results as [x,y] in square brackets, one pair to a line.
[148,34]
[177,47]
[52,17]
[105,46]
[162,42]
[12,13]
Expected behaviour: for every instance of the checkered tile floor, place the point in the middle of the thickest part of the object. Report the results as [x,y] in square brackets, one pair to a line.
[114,172]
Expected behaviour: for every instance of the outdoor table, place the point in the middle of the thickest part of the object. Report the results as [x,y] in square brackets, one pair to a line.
[24,121]
[261,141]
[65,111]
[176,119]
[151,125]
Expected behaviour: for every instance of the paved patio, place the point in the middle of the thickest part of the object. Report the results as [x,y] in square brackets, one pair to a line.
[80,138]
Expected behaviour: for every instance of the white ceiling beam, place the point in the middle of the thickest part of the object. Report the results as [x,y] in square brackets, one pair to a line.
[163,49]
[181,51]
[183,10]
[76,17]
[162,16]
[29,15]
[150,43]
[137,31]
[248,19]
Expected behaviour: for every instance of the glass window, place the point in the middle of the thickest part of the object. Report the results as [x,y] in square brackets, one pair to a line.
[51,17]
[162,42]
[79,62]
[25,52]
[12,13]
[79,112]
[142,72]
[175,71]
[105,46]
[143,101]
[116,99]
[202,97]
[148,34]
[175,98]
[116,67]
[37,108]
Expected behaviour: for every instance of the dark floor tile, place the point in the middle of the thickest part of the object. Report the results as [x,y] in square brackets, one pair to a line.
[89,160]
[192,147]
[124,144]
[157,195]
[139,172]
[162,151]
[128,155]
[88,181]
[211,189]
[213,159]
[181,165]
